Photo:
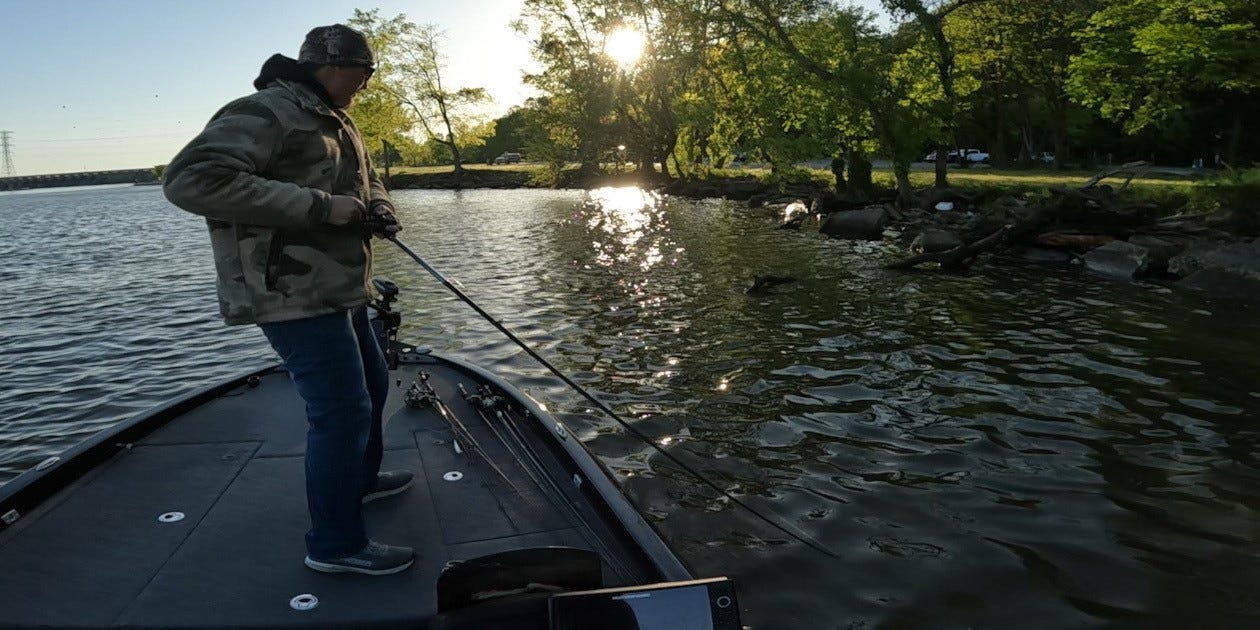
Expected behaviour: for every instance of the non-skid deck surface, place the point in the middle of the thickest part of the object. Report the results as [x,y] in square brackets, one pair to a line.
[97,555]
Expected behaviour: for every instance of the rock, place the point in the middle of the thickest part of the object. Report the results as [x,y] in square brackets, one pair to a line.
[982,225]
[1044,255]
[741,190]
[706,191]
[1223,283]
[794,208]
[864,224]
[759,200]
[794,223]
[826,202]
[1239,258]
[1076,242]
[1007,201]
[1161,250]
[930,241]
[1118,259]
[762,283]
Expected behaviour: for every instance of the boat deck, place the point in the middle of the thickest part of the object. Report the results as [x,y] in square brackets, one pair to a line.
[96,554]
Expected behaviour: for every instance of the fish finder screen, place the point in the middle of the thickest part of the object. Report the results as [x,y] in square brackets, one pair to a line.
[685,608]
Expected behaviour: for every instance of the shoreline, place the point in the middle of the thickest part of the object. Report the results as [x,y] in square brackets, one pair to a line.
[1198,235]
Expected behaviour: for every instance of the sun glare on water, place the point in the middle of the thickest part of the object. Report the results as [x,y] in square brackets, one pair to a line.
[625,46]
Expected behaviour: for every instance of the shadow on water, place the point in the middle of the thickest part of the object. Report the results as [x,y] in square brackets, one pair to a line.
[1020,447]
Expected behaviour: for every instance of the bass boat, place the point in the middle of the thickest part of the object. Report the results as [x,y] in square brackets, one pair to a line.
[190,515]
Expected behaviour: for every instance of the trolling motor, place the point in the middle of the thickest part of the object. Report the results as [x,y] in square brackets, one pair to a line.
[386,321]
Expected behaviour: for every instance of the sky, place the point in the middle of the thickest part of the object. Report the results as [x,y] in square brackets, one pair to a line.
[121,84]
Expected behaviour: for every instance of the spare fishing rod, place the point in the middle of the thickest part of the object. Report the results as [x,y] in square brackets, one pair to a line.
[422,393]
[484,401]
[799,536]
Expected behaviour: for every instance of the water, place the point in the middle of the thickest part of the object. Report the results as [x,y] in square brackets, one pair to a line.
[1016,448]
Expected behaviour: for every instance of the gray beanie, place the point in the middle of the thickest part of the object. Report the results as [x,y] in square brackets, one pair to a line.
[336,45]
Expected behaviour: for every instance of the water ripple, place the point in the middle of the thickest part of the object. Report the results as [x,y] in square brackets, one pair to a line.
[1014,448]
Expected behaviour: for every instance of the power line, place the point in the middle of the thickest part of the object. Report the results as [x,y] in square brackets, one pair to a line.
[8,169]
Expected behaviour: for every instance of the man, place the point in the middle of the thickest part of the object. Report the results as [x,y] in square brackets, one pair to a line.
[286,186]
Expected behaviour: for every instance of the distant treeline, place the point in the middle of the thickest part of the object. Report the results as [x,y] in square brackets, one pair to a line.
[1073,83]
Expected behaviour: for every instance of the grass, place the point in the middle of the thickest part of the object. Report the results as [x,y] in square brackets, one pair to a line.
[520,167]
[1167,192]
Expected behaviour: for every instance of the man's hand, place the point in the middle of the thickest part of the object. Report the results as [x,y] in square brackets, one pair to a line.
[384,223]
[345,209]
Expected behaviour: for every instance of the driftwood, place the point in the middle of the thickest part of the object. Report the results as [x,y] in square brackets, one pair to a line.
[763,283]
[959,257]
[1090,209]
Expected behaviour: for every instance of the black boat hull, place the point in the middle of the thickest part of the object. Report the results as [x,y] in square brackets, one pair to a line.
[191,515]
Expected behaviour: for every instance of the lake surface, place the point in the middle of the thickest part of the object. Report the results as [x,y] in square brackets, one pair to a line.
[1021,447]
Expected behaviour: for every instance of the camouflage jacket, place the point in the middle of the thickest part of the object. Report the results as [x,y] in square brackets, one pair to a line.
[262,173]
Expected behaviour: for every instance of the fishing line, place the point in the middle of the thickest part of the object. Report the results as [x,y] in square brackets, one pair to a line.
[786,529]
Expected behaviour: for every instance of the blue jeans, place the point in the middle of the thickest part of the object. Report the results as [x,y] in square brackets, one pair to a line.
[339,371]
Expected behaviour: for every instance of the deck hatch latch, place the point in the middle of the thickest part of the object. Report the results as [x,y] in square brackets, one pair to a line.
[171,517]
[304,602]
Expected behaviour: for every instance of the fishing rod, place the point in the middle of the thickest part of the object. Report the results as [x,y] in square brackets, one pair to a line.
[485,401]
[423,392]
[799,536]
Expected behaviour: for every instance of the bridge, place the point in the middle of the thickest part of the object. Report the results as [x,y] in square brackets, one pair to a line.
[91,178]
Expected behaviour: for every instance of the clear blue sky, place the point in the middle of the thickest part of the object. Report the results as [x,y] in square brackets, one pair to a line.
[97,84]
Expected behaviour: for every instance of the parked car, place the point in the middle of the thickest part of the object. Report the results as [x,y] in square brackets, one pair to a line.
[508,158]
[974,156]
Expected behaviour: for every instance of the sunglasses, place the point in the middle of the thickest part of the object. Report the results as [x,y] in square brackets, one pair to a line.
[369,70]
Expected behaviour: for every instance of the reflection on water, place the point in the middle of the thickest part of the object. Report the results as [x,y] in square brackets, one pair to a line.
[1015,448]
[619,219]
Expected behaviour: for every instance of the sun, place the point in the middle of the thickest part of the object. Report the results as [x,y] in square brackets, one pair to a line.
[625,46]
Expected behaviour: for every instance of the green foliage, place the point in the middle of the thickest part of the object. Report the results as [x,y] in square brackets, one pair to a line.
[786,80]
[379,116]
[409,90]
[1144,59]
[575,76]
[159,171]
[1234,189]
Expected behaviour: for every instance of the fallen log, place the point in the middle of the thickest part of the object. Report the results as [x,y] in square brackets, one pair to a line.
[1090,209]
[959,257]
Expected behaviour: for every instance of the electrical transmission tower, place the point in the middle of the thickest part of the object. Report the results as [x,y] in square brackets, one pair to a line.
[8,169]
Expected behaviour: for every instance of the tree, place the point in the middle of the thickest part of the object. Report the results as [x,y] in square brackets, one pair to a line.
[854,63]
[380,117]
[1144,61]
[932,23]
[1018,52]
[575,77]
[410,71]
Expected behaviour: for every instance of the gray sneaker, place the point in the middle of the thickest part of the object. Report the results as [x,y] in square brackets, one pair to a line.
[374,559]
[389,484]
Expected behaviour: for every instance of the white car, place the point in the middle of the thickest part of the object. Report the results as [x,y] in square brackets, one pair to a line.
[974,156]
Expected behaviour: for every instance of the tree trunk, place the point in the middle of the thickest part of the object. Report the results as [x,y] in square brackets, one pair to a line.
[1026,145]
[998,151]
[905,191]
[1235,137]
[942,166]
[861,188]
[1058,118]
[386,151]
[837,171]
[459,163]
